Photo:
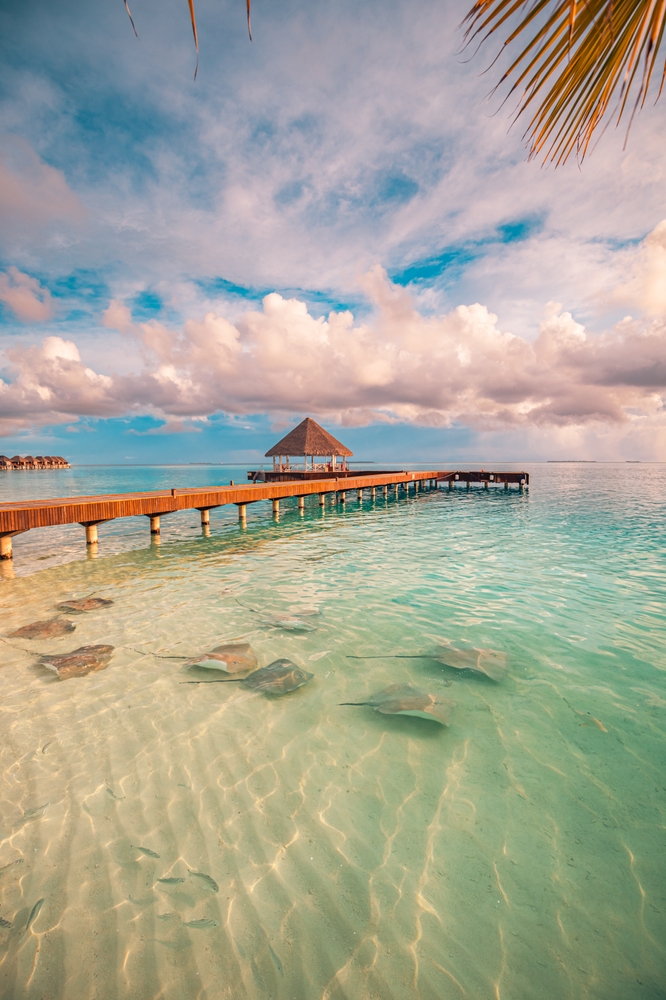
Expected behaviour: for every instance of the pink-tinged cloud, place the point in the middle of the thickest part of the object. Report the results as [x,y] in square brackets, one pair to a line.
[24,295]
[33,195]
[453,369]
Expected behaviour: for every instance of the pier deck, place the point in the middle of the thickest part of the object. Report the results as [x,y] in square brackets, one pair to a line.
[90,511]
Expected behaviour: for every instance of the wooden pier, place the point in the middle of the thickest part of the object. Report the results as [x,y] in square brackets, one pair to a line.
[91,511]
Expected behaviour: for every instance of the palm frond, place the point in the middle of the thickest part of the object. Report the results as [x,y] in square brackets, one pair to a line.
[580,63]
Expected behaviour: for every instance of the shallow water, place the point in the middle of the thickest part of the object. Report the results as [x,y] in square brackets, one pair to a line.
[517,853]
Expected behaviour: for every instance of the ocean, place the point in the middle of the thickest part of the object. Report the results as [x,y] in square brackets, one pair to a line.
[348,854]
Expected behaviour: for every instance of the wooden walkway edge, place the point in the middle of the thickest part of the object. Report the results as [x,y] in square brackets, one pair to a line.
[89,511]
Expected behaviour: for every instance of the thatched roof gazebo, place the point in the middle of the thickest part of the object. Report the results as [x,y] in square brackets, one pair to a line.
[312,442]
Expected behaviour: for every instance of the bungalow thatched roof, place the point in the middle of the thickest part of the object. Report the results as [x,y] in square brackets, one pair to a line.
[308,439]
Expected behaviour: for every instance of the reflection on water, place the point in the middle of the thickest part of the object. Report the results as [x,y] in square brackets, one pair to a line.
[160,839]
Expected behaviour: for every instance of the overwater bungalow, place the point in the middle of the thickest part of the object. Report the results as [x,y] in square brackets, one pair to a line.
[28,462]
[319,449]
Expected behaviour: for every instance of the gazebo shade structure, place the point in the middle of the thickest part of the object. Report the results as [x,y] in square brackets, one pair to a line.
[312,442]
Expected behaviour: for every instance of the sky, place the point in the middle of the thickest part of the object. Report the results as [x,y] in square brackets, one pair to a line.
[335,220]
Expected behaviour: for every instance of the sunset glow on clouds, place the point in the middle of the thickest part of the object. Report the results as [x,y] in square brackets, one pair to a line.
[371,248]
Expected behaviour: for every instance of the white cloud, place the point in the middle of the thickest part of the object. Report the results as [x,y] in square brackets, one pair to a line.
[458,368]
[24,295]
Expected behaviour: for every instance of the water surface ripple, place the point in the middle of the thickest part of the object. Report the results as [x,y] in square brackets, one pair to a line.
[350,854]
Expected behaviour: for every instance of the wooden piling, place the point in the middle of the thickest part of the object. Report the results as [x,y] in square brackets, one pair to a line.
[359,495]
[6,551]
[276,506]
[91,534]
[373,492]
[322,499]
[205,517]
[242,511]
[155,525]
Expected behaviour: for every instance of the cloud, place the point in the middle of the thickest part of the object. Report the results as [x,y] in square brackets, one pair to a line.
[25,296]
[455,369]
[646,287]
[33,195]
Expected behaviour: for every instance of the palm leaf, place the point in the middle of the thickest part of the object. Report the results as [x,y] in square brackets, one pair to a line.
[579,64]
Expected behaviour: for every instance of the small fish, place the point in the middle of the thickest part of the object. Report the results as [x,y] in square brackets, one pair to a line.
[148,852]
[171,881]
[34,813]
[34,913]
[180,785]
[210,882]
[113,795]
[202,924]
[5,923]
[599,724]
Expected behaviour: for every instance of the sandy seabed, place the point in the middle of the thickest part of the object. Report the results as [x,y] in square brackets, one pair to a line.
[518,853]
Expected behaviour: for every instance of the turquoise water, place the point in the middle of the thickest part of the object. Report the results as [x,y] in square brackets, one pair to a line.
[518,853]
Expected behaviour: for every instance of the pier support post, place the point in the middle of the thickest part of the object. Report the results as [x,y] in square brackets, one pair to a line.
[6,551]
[154,525]
[242,511]
[373,492]
[417,485]
[343,496]
[276,506]
[451,484]
[359,495]
[301,503]
[506,486]
[322,499]
[91,530]
[205,517]
[485,484]
[386,491]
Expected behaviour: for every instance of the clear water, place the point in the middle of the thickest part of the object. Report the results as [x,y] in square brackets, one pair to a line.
[519,853]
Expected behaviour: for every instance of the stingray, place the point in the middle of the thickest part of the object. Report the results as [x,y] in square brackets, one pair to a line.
[85,604]
[404,699]
[232,657]
[78,663]
[49,629]
[279,677]
[280,619]
[483,661]
[490,662]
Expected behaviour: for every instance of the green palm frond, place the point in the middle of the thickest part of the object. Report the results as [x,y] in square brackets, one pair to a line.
[580,63]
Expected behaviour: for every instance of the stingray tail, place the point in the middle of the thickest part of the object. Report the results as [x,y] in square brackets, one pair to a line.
[33,652]
[247,607]
[226,680]
[391,656]
[147,652]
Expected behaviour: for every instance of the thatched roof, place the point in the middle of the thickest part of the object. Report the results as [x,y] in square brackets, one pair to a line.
[308,439]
